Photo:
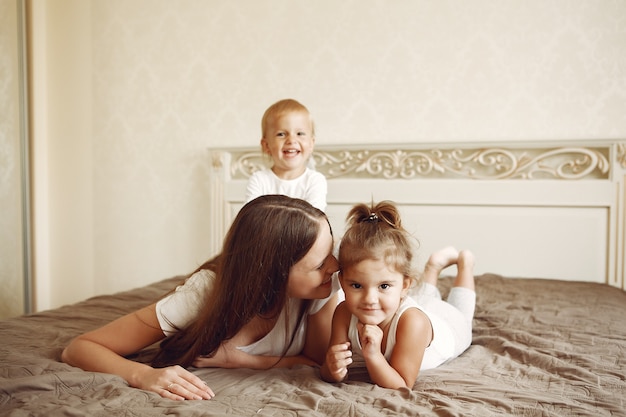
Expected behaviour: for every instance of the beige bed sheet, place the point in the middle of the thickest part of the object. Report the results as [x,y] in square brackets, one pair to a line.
[540,348]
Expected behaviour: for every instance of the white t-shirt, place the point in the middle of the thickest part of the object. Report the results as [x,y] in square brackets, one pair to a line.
[178,309]
[310,186]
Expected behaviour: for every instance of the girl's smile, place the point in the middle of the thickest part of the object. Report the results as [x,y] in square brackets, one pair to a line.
[373,291]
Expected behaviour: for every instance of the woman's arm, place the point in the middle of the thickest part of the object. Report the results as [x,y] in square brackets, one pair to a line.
[318,331]
[229,356]
[338,356]
[316,342]
[103,350]
[413,335]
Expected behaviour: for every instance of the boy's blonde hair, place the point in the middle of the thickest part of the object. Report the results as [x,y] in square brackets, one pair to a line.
[375,232]
[281,107]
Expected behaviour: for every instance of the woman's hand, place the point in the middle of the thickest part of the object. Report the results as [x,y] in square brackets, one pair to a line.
[175,383]
[104,350]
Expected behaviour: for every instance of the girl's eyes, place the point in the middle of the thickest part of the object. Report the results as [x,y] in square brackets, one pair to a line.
[359,286]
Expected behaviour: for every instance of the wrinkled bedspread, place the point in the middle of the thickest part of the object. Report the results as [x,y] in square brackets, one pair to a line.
[540,348]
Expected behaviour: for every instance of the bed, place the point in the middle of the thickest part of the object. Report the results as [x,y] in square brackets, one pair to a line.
[546,224]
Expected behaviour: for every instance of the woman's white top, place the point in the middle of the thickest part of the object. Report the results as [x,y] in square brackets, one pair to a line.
[176,311]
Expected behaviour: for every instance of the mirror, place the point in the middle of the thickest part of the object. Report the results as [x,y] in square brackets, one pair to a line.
[15,282]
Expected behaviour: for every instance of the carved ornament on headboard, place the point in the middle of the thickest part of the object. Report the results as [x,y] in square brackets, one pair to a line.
[496,163]
[481,163]
[621,154]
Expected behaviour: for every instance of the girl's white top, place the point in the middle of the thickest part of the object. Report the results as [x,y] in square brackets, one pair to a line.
[440,349]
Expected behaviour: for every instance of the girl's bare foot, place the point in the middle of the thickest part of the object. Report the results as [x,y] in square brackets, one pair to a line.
[443,258]
[465,266]
[466,259]
[437,262]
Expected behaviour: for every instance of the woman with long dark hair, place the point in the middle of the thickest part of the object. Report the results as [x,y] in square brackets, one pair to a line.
[266,300]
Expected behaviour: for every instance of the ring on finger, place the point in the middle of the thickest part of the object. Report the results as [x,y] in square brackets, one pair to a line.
[170,386]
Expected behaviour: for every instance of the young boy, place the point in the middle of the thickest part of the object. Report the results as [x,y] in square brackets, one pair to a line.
[288,137]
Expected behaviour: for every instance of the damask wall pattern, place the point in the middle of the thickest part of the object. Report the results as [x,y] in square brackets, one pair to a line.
[172,78]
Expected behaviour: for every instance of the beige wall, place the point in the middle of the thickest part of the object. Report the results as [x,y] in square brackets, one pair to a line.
[62,150]
[132,92]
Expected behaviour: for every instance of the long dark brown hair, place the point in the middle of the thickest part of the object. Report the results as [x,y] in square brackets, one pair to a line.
[268,236]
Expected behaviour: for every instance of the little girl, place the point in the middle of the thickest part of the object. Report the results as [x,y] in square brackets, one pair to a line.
[288,137]
[395,334]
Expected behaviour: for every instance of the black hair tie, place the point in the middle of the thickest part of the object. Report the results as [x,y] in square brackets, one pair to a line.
[372,218]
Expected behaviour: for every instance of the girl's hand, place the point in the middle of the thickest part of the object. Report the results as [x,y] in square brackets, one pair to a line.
[338,358]
[371,338]
[175,383]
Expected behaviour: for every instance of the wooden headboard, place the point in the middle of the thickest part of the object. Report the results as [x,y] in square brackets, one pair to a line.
[546,210]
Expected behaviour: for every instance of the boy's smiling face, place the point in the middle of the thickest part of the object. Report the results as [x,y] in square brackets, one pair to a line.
[289,141]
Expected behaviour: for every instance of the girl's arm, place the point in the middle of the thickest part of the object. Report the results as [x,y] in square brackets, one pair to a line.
[339,355]
[103,350]
[413,335]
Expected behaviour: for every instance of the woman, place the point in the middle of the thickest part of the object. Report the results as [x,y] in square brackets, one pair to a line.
[267,300]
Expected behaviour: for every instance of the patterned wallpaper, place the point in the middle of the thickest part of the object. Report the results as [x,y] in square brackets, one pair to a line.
[172,78]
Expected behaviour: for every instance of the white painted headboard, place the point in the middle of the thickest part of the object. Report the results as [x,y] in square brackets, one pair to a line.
[545,210]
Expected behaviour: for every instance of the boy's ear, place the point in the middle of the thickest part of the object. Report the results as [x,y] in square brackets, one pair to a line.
[264,147]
